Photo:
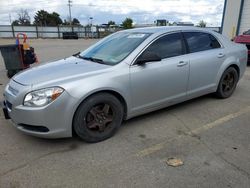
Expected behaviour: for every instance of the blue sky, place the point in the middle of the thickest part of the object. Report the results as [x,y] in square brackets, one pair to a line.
[141,11]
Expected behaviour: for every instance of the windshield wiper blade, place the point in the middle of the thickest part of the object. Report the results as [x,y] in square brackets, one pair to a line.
[76,54]
[89,58]
[93,59]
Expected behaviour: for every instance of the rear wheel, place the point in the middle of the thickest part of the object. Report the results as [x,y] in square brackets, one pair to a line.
[98,117]
[227,83]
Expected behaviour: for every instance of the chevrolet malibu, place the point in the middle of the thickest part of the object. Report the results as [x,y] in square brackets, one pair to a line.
[126,74]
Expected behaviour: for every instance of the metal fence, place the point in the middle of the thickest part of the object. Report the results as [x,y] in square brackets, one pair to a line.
[10,31]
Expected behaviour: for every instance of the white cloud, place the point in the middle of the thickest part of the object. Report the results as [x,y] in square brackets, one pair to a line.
[104,10]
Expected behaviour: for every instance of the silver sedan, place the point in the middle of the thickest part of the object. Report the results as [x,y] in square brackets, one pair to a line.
[126,74]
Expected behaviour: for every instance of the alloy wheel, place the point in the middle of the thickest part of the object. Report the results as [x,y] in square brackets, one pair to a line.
[99,117]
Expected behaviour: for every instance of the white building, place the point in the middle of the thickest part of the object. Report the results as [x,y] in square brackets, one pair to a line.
[236,17]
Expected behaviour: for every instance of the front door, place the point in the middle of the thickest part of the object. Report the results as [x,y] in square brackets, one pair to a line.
[155,84]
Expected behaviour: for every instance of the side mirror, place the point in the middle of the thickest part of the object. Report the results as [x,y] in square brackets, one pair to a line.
[147,57]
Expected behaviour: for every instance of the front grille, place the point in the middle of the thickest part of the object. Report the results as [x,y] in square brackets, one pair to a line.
[34,128]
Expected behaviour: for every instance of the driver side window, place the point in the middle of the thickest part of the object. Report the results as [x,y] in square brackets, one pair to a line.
[167,46]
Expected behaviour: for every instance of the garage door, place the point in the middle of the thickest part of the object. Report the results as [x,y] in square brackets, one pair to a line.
[245,18]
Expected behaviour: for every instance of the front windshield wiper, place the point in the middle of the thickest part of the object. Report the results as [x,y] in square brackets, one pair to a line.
[76,54]
[89,58]
[93,59]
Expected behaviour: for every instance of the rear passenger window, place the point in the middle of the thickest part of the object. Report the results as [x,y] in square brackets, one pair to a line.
[198,41]
[167,46]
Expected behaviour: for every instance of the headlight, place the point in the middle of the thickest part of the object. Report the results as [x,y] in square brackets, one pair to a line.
[42,97]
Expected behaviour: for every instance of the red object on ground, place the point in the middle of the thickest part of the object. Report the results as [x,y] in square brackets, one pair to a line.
[244,39]
[25,66]
[22,46]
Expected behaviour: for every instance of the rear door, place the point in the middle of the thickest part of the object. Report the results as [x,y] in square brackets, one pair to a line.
[206,55]
[157,83]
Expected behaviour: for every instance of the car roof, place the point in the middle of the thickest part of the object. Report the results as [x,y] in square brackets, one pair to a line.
[164,29]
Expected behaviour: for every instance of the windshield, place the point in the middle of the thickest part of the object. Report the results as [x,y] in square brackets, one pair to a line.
[115,48]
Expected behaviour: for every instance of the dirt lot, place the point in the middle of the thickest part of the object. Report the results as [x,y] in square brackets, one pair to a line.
[211,136]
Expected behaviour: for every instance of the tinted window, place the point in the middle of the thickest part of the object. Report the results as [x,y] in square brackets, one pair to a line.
[198,41]
[167,46]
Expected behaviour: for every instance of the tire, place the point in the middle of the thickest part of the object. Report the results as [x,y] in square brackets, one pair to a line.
[98,117]
[228,83]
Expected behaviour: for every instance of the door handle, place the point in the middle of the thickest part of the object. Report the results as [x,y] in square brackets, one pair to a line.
[220,55]
[182,63]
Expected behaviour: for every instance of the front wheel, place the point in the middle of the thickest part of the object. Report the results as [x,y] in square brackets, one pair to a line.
[228,83]
[98,117]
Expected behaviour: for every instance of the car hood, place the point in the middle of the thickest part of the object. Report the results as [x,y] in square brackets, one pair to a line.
[58,70]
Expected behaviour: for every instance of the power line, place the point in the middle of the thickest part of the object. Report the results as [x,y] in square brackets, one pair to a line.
[69,4]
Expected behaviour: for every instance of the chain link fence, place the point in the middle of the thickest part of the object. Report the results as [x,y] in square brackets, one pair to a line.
[10,31]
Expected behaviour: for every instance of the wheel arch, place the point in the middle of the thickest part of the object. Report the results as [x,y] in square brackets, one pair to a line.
[234,65]
[237,68]
[118,95]
[224,68]
[220,92]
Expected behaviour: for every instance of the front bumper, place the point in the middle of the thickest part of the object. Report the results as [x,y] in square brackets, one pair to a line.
[51,121]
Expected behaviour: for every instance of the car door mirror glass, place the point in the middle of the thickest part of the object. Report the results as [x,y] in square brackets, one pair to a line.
[147,57]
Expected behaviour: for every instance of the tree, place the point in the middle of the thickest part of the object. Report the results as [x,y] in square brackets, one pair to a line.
[41,18]
[75,21]
[65,22]
[202,23]
[23,18]
[127,23]
[15,22]
[45,18]
[54,19]
[111,23]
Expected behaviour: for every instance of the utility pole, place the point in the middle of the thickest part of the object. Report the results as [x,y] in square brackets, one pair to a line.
[70,5]
[10,18]
[91,20]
